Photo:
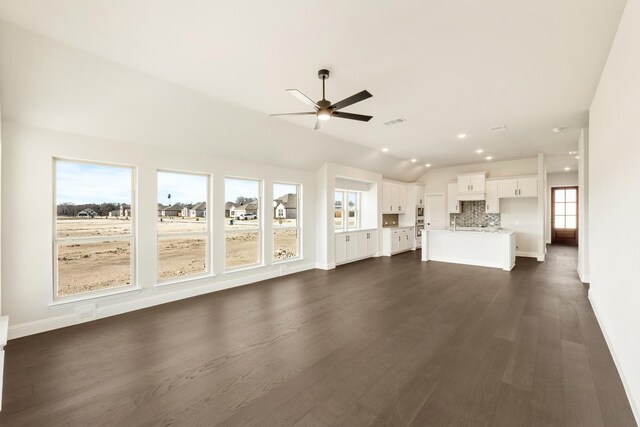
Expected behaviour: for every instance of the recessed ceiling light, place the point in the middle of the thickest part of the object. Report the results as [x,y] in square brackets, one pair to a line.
[462,135]
[414,160]
[577,157]
[489,158]
[479,151]
[567,168]
[573,152]
[428,165]
[384,150]
[558,130]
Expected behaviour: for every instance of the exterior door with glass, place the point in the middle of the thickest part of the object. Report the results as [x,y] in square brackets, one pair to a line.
[564,216]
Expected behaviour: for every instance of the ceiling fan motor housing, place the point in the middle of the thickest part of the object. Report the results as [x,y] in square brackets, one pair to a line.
[323,74]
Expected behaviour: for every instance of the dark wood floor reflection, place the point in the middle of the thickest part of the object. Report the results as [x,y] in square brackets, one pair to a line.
[387,341]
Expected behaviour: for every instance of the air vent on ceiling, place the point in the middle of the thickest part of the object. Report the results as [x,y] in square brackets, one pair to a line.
[498,128]
[395,121]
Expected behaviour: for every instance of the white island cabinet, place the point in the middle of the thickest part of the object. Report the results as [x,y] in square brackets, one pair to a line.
[483,248]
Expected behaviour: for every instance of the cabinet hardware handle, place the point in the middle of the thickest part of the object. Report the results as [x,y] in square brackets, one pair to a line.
[390,208]
[516,191]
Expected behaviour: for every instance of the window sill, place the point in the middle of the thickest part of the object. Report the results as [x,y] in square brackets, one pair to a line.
[244,268]
[184,280]
[288,260]
[61,302]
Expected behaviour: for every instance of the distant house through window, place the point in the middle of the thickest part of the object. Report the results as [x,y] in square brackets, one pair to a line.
[243,223]
[182,225]
[94,228]
[286,221]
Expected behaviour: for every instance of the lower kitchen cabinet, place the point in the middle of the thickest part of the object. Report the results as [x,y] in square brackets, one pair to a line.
[355,245]
[396,240]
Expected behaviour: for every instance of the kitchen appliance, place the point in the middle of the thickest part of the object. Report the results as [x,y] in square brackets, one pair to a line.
[419,231]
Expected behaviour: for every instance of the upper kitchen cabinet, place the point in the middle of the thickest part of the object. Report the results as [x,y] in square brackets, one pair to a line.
[419,195]
[453,205]
[492,201]
[518,187]
[394,198]
[471,186]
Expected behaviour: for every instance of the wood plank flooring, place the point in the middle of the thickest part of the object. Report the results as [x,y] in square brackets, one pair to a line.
[387,341]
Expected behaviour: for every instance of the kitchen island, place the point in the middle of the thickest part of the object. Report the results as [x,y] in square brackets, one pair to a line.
[483,248]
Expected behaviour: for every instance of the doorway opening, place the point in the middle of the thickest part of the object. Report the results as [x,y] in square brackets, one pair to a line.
[564,216]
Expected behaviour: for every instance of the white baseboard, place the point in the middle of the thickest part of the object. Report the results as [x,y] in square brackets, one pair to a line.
[633,401]
[161,296]
[584,278]
[325,266]
[527,254]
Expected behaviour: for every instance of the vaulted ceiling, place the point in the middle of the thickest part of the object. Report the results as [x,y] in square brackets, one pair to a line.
[447,67]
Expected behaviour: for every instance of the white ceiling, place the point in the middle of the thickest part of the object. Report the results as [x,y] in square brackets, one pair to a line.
[446,67]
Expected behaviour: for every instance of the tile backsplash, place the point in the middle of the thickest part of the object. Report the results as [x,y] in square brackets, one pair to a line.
[474,214]
[389,220]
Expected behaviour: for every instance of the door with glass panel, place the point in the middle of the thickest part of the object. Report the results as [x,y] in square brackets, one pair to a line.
[564,216]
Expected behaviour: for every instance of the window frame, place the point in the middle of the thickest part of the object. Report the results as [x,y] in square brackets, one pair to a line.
[260,229]
[189,234]
[345,210]
[298,226]
[131,237]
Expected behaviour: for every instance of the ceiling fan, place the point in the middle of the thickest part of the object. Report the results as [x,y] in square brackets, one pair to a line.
[324,109]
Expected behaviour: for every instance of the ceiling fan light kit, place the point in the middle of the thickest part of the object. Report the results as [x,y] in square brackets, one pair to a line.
[324,109]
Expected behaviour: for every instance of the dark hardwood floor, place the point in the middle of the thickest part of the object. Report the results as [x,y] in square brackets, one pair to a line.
[386,341]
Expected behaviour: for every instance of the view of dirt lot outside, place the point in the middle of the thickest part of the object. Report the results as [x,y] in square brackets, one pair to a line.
[183,228]
[94,238]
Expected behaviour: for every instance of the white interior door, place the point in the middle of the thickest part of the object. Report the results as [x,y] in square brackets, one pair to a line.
[434,211]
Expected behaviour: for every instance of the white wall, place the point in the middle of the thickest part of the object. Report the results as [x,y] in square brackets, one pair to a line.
[520,215]
[583,206]
[614,200]
[26,242]
[560,179]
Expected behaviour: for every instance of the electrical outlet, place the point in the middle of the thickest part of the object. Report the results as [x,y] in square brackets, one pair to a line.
[85,313]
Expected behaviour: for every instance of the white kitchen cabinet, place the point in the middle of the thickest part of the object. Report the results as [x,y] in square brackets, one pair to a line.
[372,242]
[471,185]
[453,205]
[492,201]
[420,195]
[528,187]
[396,240]
[518,187]
[355,245]
[401,198]
[394,198]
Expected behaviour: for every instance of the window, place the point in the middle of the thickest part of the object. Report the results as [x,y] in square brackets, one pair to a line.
[243,225]
[182,225]
[565,208]
[338,223]
[347,205]
[286,226]
[94,228]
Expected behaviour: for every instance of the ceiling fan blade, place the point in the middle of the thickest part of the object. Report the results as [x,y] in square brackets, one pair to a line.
[295,114]
[351,116]
[302,97]
[361,96]
[318,125]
